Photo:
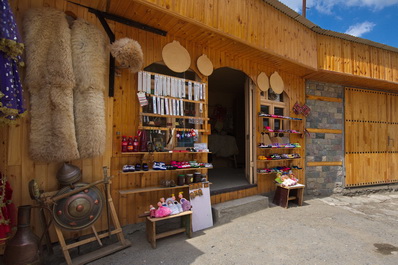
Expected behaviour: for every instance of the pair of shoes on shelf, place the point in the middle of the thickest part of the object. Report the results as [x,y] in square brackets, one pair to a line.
[296,167]
[137,167]
[159,166]
[128,168]
[275,157]
[295,155]
[208,165]
[143,167]
[191,149]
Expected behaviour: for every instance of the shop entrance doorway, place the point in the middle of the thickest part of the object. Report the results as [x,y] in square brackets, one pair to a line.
[231,117]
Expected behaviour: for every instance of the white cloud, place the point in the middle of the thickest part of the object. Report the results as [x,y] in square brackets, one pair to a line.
[359,29]
[296,5]
[326,6]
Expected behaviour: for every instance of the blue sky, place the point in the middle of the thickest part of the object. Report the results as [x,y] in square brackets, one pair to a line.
[376,20]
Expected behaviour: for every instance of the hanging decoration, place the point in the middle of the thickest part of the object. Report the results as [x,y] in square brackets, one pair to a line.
[128,54]
[263,81]
[276,83]
[11,48]
[176,57]
[301,109]
[204,65]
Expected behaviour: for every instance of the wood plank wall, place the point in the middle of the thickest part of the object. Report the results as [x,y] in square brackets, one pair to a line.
[358,59]
[125,118]
[122,116]
[14,158]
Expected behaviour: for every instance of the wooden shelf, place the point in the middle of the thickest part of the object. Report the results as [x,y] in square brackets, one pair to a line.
[283,132]
[278,148]
[270,173]
[161,153]
[183,99]
[173,116]
[159,171]
[148,189]
[287,118]
[272,160]
[168,128]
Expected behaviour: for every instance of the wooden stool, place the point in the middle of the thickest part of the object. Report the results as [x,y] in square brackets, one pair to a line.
[285,194]
[186,226]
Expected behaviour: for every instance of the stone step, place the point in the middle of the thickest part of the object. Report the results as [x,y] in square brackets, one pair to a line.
[226,211]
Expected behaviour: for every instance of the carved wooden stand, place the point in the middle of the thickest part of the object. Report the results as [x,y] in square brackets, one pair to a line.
[102,251]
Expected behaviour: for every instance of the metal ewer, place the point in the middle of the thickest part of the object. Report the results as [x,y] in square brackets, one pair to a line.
[23,248]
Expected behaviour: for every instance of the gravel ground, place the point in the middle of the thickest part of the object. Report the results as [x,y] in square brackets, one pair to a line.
[331,230]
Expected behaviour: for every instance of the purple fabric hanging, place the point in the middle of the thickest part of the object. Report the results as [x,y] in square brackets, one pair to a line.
[11,48]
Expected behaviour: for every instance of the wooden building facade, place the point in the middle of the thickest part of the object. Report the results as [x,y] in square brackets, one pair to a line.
[250,36]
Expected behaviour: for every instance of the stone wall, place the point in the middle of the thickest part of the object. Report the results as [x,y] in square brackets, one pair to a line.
[322,180]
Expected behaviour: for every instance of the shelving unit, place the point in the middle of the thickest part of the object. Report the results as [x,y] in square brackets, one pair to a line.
[270,173]
[148,189]
[200,108]
[162,171]
[283,132]
[273,160]
[161,153]
[266,151]
[159,124]
[278,148]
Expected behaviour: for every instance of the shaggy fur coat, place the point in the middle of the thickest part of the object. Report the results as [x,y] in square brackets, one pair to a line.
[66,71]
[50,81]
[89,64]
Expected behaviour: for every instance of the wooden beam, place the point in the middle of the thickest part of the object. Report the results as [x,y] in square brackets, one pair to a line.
[312,97]
[324,163]
[314,130]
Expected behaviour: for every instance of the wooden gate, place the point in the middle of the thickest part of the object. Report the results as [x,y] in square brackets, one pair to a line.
[371,137]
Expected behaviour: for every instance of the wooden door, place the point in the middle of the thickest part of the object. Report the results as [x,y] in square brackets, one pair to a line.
[371,137]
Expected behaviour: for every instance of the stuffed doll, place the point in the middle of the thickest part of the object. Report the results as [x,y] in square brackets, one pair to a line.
[162,211]
[173,205]
[186,205]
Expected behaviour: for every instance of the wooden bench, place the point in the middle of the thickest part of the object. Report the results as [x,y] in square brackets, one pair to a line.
[186,226]
[285,194]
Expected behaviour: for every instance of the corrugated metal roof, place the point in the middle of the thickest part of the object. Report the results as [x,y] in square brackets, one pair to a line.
[296,16]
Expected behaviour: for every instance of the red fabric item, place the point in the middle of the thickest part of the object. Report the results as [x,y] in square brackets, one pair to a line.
[7,209]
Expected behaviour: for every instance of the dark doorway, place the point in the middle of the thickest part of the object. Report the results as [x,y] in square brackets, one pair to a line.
[227,140]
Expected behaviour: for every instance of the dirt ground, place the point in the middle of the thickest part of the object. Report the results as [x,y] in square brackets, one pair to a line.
[331,230]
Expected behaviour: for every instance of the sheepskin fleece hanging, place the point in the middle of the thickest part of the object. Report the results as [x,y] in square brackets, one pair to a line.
[90,56]
[50,81]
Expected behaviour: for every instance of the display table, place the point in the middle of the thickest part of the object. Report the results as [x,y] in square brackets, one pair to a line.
[186,226]
[291,193]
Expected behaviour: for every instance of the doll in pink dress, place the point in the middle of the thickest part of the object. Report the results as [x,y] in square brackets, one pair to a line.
[162,211]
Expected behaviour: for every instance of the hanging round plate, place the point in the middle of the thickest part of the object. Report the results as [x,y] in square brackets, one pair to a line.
[79,210]
[176,57]
[262,81]
[276,83]
[204,65]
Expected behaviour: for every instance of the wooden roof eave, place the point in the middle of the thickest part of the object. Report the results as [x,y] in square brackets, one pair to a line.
[238,45]
[351,80]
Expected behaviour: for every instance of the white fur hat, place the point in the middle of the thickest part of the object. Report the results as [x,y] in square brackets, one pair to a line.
[128,53]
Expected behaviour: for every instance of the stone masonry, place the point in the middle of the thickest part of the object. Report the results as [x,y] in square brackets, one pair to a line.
[322,180]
